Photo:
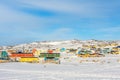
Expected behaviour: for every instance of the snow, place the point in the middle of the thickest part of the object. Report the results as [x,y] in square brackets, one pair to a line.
[67,70]
[55,42]
[26,71]
[71,67]
[59,44]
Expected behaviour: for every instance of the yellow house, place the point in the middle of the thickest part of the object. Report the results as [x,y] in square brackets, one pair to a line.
[37,52]
[29,59]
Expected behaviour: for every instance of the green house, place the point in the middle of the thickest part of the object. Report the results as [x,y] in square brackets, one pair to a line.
[4,55]
[51,58]
[49,55]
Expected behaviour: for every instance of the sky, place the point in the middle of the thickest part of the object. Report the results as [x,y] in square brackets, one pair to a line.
[24,21]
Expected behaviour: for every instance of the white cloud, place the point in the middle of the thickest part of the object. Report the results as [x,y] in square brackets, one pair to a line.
[81,9]
[14,21]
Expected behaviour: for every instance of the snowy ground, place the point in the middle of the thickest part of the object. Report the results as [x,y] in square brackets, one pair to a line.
[67,70]
[26,71]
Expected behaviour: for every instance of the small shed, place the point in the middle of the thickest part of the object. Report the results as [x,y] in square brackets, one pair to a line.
[62,49]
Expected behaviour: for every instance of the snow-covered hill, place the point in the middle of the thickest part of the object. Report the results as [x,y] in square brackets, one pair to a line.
[59,44]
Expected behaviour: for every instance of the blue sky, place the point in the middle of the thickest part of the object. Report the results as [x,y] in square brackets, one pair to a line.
[24,21]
